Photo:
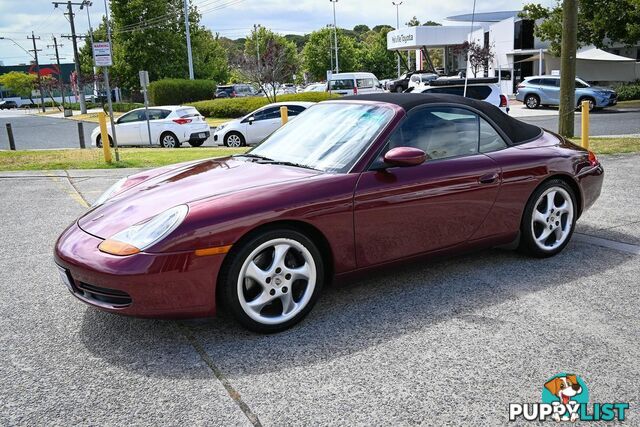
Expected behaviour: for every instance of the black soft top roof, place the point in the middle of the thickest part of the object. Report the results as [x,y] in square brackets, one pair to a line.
[518,132]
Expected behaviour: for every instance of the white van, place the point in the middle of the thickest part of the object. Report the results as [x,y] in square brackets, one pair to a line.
[354,83]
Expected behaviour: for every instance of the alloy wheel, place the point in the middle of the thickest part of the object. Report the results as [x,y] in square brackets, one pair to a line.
[234,140]
[168,141]
[532,102]
[276,281]
[552,218]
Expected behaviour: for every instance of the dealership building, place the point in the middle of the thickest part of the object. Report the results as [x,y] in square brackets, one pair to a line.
[517,52]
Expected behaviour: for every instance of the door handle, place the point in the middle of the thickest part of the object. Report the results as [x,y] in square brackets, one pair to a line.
[488,178]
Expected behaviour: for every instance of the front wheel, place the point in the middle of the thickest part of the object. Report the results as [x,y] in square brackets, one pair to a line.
[234,139]
[273,280]
[532,102]
[549,219]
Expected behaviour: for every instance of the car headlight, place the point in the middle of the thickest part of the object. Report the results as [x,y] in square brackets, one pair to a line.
[220,127]
[110,192]
[140,236]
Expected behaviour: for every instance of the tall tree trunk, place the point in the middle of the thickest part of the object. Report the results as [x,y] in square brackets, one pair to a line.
[568,67]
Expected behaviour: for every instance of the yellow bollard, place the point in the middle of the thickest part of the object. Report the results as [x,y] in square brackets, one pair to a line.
[585,124]
[284,115]
[104,135]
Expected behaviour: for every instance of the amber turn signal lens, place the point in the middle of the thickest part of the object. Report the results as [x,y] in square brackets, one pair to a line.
[593,160]
[213,251]
[114,247]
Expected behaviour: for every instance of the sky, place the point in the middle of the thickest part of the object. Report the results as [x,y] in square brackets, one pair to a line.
[230,18]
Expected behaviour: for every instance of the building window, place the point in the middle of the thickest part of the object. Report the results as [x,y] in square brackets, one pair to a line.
[523,34]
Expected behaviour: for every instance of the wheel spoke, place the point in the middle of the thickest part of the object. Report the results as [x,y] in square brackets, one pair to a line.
[256,273]
[544,236]
[300,273]
[550,201]
[257,304]
[563,208]
[279,253]
[288,304]
[559,233]
[539,217]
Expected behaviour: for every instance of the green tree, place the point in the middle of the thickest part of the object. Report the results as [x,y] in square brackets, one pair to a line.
[317,53]
[373,55]
[22,84]
[413,22]
[209,56]
[432,24]
[600,22]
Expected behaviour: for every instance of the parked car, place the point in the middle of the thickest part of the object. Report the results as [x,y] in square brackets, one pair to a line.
[257,125]
[354,83]
[402,83]
[235,91]
[171,125]
[421,80]
[315,87]
[482,89]
[535,91]
[350,185]
[7,105]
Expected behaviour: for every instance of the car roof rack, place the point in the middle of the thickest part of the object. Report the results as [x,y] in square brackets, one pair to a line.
[459,81]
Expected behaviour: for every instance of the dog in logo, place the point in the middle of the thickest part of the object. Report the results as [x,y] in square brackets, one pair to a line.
[564,388]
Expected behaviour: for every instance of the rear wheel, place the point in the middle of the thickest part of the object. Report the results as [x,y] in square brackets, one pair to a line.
[169,140]
[532,101]
[549,219]
[196,143]
[99,141]
[273,280]
[234,139]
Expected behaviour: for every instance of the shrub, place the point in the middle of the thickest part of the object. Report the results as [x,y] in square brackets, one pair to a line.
[628,91]
[180,91]
[231,108]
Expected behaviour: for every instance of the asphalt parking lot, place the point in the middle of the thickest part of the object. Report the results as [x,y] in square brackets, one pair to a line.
[449,342]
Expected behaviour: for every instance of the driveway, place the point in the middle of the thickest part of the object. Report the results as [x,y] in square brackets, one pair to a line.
[449,342]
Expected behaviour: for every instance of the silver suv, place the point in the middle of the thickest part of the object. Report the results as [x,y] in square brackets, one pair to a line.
[535,91]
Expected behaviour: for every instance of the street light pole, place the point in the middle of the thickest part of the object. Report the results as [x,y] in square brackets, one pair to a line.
[188,32]
[335,33]
[397,5]
[87,3]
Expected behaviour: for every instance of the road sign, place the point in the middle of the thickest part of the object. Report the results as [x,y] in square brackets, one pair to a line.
[144,79]
[102,54]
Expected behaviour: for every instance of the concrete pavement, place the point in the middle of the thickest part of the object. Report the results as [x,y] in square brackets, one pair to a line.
[451,342]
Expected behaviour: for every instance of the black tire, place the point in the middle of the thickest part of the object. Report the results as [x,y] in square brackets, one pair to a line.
[532,101]
[233,142]
[228,285]
[99,141]
[528,243]
[592,103]
[169,140]
[196,143]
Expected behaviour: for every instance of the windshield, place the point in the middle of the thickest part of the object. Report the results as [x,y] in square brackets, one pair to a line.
[328,137]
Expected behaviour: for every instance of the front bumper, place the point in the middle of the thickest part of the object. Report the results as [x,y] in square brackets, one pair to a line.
[172,285]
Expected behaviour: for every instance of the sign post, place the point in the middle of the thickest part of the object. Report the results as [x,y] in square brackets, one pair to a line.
[102,58]
[144,83]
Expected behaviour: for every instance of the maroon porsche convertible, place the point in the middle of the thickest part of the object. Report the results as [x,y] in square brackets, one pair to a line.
[349,185]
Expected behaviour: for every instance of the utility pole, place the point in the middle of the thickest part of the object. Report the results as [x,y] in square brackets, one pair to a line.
[105,71]
[186,26]
[335,33]
[76,58]
[87,3]
[35,51]
[55,45]
[568,67]
[397,5]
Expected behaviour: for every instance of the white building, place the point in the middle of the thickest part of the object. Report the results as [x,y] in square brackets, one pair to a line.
[518,53]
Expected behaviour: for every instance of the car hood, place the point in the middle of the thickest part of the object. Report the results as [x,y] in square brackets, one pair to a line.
[602,88]
[185,184]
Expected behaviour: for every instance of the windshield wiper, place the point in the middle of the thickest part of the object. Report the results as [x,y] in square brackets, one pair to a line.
[253,156]
[297,165]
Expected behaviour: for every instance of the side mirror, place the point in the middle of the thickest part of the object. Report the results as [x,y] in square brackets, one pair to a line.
[405,156]
[251,120]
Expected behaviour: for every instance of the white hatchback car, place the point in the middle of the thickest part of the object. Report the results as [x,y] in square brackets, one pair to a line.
[256,126]
[170,125]
[482,89]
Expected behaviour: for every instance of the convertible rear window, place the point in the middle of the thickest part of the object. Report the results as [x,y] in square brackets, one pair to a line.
[342,84]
